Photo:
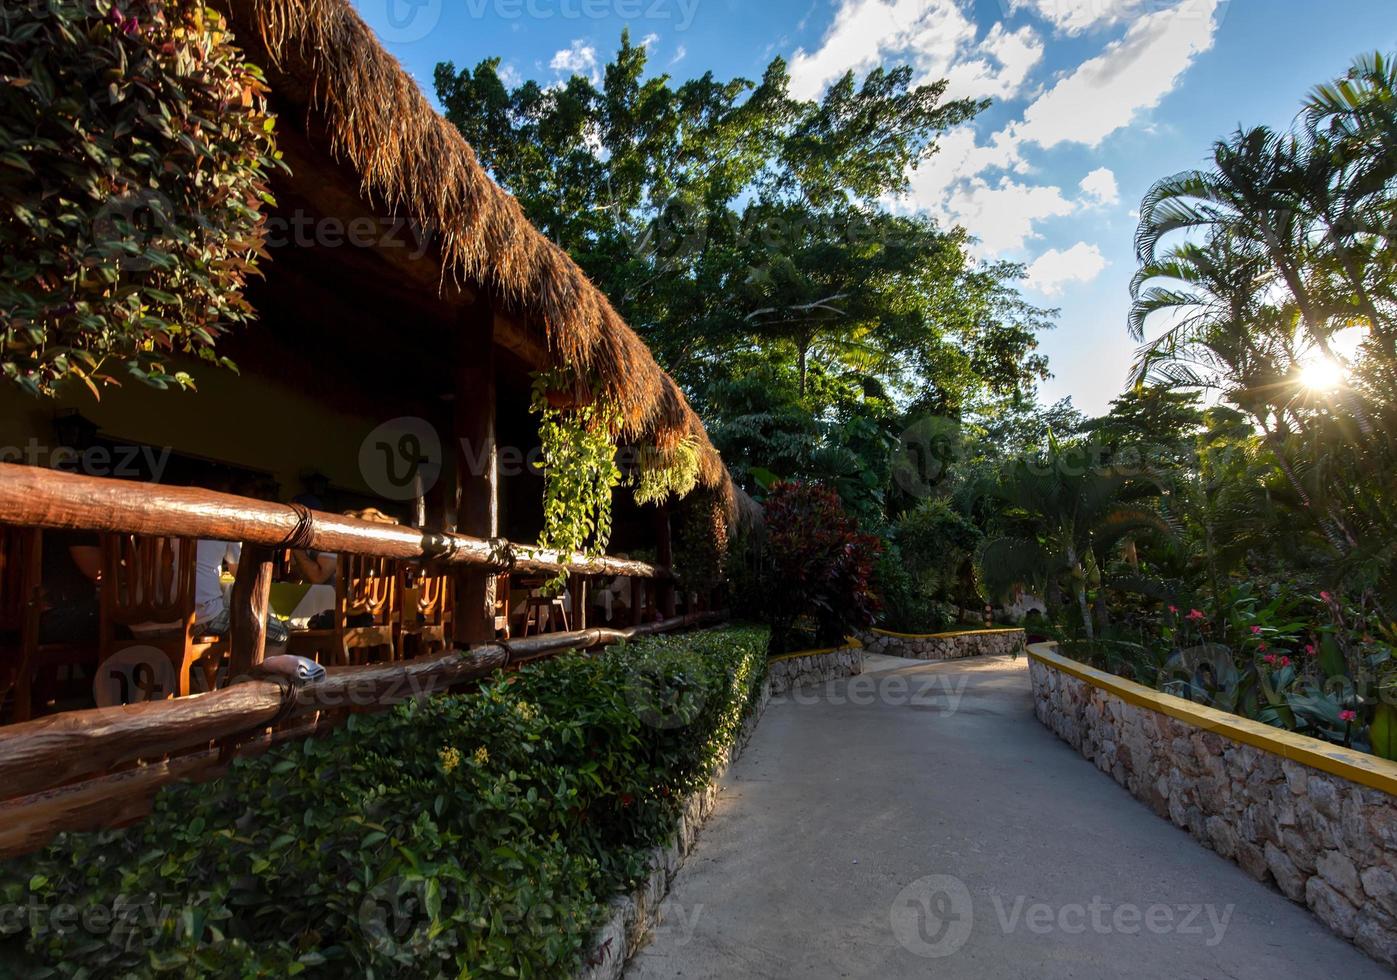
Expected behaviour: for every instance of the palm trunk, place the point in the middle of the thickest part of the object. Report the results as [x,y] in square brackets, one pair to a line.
[1085,610]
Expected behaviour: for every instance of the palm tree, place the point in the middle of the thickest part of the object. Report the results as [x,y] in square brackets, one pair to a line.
[1064,516]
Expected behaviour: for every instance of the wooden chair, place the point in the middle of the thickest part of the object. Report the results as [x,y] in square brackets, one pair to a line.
[20,574]
[426,623]
[366,588]
[542,612]
[503,629]
[149,581]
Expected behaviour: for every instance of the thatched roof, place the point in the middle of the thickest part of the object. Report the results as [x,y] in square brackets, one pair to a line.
[415,164]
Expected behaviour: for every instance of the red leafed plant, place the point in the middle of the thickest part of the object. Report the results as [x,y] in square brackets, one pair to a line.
[820,566]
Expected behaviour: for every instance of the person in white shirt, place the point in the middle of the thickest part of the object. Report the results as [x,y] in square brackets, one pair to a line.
[211,614]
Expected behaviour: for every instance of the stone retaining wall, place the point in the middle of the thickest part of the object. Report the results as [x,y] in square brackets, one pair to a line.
[634,917]
[946,646]
[1327,842]
[803,669]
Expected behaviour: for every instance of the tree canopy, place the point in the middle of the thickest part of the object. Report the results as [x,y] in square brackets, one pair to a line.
[749,234]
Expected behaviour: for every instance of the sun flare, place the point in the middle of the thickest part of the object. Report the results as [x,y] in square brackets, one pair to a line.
[1323,374]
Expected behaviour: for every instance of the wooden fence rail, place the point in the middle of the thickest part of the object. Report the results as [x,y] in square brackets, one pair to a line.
[83,770]
[48,766]
[34,497]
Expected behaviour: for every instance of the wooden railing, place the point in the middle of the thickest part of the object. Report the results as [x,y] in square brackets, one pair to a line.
[34,497]
[100,767]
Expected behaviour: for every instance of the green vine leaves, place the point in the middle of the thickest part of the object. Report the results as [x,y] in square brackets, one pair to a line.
[579,468]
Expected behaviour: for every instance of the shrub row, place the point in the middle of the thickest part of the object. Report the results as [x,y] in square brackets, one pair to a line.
[478,835]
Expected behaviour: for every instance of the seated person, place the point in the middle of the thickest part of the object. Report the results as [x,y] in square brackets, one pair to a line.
[211,614]
[72,567]
[314,567]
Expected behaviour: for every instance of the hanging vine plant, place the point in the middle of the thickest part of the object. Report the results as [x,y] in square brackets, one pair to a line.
[659,474]
[578,441]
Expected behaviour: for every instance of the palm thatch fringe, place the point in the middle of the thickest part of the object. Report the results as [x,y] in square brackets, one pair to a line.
[412,161]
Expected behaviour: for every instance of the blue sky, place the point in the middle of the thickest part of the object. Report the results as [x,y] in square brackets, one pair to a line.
[1094,100]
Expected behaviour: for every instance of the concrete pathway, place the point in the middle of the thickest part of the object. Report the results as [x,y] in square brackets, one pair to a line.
[918,821]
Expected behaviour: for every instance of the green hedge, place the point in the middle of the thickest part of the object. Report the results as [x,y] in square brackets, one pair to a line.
[472,836]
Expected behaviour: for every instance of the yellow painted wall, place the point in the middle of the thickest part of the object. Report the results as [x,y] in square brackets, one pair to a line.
[238,419]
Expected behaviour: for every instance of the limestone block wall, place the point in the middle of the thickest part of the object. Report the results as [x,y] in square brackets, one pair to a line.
[817,667]
[1317,821]
[945,646]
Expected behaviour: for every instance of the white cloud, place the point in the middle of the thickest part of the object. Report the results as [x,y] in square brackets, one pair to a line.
[1102,95]
[1053,270]
[680,53]
[649,39]
[1100,187]
[1003,216]
[1004,62]
[1133,74]
[581,57]
[1076,16]
[935,36]
[509,76]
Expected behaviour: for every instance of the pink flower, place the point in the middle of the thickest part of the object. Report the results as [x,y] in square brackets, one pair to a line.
[1285,661]
[1348,716]
[1173,610]
[1195,615]
[1256,631]
[1310,650]
[1262,646]
[1326,597]
[1270,658]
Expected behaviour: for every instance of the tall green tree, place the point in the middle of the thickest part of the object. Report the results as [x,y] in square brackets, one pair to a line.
[734,224]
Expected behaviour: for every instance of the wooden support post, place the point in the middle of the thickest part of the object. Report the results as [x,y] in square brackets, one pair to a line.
[248,609]
[477,467]
[664,557]
[637,602]
[578,588]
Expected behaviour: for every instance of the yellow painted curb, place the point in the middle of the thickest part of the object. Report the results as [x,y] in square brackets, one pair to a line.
[947,636]
[1359,767]
[853,644]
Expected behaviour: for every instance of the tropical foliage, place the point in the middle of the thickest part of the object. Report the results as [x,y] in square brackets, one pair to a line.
[137,247]
[577,435]
[479,835]
[745,234]
[1268,281]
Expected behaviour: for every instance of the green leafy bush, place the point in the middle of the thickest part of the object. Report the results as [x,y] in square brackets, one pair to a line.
[926,574]
[474,836]
[134,149]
